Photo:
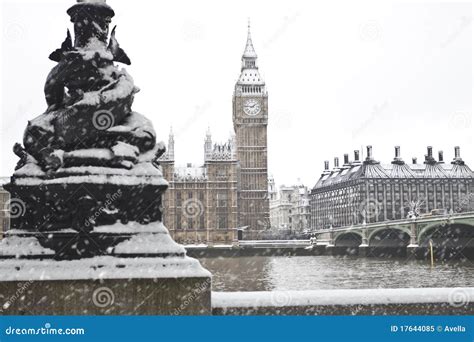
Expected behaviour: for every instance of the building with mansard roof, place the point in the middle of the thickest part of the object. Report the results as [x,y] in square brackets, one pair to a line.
[368,191]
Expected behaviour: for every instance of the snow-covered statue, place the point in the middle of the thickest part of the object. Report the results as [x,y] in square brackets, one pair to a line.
[89,101]
[89,160]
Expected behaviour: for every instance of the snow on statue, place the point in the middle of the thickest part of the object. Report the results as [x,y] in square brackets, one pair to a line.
[89,134]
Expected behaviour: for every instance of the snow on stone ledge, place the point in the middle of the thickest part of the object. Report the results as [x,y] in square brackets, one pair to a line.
[132,227]
[95,179]
[17,247]
[103,267]
[153,243]
[338,297]
[140,169]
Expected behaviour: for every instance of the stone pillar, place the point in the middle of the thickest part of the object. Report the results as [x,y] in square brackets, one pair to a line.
[330,246]
[364,246]
[413,246]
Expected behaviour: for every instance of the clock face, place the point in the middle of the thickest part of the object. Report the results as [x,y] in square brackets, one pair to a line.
[252,107]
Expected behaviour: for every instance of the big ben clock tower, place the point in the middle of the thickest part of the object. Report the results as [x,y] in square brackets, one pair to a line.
[250,117]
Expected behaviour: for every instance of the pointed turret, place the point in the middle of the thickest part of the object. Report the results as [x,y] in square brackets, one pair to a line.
[171,145]
[208,145]
[250,82]
[249,52]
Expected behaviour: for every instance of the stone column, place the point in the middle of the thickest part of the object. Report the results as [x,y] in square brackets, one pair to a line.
[364,246]
[413,246]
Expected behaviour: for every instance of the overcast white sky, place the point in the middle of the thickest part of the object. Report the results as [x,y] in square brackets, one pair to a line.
[340,74]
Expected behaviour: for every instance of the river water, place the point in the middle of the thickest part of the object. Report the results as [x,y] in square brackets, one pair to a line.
[330,272]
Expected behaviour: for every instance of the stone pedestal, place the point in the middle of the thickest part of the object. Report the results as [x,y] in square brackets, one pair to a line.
[123,292]
[144,273]
[86,234]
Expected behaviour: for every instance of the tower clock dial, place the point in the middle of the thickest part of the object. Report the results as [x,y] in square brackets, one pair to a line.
[252,107]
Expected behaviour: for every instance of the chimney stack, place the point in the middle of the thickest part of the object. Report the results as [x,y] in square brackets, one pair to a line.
[326,165]
[440,157]
[397,152]
[356,155]
[430,151]
[414,160]
[346,159]
[369,152]
[336,162]
[457,152]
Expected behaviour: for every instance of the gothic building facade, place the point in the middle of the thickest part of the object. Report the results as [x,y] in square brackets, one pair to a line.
[368,191]
[200,205]
[228,193]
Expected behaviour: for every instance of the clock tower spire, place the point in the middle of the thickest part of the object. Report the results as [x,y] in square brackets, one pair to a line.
[250,117]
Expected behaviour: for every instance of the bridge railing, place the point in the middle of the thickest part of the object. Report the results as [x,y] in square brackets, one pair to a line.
[270,243]
[419,219]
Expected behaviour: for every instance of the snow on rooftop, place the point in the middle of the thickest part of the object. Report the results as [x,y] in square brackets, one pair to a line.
[190,172]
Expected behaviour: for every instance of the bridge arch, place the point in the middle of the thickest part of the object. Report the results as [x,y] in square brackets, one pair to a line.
[389,232]
[351,238]
[389,241]
[450,239]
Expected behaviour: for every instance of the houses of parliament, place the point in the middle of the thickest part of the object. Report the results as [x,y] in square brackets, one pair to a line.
[227,197]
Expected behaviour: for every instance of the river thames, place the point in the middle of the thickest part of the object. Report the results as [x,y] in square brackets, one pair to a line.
[259,273]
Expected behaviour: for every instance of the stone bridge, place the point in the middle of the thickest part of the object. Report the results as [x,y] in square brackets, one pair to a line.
[452,236]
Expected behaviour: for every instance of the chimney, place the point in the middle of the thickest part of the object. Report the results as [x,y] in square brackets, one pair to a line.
[397,152]
[369,152]
[336,162]
[346,159]
[414,160]
[326,165]
[356,155]
[440,157]
[430,151]
[189,165]
[457,152]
